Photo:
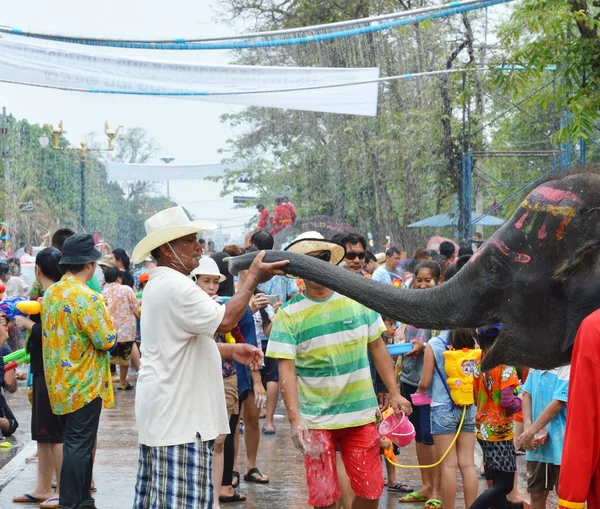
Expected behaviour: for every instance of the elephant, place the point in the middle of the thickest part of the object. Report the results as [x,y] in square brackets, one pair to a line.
[539,275]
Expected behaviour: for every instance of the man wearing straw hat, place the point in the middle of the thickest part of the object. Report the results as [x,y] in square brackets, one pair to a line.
[321,339]
[180,404]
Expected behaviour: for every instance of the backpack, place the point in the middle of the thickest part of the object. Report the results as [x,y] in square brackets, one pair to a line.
[459,366]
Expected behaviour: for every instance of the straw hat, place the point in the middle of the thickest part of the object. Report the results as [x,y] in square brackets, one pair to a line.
[208,267]
[380,258]
[105,261]
[165,226]
[309,242]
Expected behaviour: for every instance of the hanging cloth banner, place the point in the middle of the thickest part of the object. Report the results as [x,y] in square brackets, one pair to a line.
[329,90]
[123,172]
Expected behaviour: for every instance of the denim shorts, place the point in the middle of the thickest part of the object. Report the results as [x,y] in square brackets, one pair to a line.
[446,418]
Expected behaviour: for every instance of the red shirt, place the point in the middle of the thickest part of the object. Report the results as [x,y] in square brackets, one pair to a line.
[292,211]
[263,220]
[579,470]
[282,215]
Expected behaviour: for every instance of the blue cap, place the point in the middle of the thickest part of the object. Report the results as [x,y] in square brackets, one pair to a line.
[491,330]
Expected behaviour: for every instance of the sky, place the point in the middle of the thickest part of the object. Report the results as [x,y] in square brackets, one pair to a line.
[189,131]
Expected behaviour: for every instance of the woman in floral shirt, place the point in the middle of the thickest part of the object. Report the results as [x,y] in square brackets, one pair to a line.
[123,307]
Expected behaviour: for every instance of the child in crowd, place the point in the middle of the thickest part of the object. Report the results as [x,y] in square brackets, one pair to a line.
[446,416]
[427,275]
[383,400]
[208,277]
[544,406]
[496,405]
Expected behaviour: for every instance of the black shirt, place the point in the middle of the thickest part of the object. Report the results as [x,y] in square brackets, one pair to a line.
[34,347]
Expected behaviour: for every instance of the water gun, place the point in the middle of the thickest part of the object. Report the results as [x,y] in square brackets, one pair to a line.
[11,361]
[9,307]
[460,365]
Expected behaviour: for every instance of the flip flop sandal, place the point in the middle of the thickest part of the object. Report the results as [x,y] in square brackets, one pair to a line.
[269,432]
[26,498]
[249,477]
[400,488]
[412,497]
[235,479]
[433,503]
[5,445]
[236,497]
[51,503]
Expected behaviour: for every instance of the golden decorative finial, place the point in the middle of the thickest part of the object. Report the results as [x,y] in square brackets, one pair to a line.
[111,136]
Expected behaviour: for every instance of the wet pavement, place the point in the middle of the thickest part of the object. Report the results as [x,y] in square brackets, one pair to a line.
[116,463]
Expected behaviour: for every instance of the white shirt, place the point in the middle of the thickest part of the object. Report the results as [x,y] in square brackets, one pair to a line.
[180,391]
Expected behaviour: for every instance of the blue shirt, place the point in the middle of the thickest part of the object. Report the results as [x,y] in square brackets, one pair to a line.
[384,275]
[438,390]
[545,386]
[249,332]
[283,286]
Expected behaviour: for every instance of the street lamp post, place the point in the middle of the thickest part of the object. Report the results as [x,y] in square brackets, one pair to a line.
[82,152]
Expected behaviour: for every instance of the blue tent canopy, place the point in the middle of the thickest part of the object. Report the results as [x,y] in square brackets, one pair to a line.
[450,219]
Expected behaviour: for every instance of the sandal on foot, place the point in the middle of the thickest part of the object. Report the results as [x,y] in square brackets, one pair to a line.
[269,431]
[400,488]
[235,479]
[236,497]
[433,503]
[128,387]
[253,476]
[412,497]
[51,503]
[26,498]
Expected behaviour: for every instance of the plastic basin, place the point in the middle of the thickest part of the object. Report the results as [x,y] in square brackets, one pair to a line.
[400,348]
[398,429]
[420,399]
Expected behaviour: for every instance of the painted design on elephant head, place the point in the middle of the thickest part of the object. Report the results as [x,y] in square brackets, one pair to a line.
[549,202]
[504,249]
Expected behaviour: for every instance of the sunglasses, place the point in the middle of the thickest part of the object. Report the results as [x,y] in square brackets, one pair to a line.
[324,256]
[353,256]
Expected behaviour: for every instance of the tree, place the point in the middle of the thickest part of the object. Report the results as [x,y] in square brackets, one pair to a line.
[136,147]
[560,34]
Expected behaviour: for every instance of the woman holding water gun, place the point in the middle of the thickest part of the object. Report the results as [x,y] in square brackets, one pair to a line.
[45,426]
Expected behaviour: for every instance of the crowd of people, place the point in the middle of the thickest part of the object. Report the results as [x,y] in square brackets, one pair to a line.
[250,340]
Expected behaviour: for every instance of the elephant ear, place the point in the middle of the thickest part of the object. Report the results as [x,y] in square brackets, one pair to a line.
[580,278]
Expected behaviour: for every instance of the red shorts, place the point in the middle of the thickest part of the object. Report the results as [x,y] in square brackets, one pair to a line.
[359,448]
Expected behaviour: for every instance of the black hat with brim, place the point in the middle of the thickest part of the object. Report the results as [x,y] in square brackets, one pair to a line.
[79,249]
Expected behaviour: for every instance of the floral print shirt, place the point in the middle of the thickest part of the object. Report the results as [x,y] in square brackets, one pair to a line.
[493,423]
[122,306]
[227,365]
[76,333]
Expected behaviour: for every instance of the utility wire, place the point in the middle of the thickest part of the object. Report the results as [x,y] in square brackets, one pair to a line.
[215,43]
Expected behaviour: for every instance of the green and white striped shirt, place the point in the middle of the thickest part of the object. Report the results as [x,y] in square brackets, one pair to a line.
[328,340]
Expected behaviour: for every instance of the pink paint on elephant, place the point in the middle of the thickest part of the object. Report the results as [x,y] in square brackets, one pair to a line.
[555,195]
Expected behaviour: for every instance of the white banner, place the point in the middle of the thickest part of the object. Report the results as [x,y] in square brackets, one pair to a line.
[122,172]
[32,64]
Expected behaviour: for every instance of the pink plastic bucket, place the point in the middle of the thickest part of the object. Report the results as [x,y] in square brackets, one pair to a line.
[398,429]
[420,399]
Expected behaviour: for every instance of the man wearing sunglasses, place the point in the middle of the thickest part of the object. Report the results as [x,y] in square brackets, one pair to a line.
[322,340]
[356,246]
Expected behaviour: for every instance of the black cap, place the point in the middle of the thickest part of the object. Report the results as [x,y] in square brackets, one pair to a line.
[79,249]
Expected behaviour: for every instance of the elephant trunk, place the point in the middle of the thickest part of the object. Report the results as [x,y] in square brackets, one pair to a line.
[428,309]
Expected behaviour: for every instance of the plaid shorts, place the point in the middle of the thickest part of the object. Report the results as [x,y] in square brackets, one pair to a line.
[175,477]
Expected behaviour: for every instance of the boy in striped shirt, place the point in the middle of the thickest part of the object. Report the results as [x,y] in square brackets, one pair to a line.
[321,339]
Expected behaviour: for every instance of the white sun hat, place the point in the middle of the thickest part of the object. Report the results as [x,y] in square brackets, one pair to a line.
[381,258]
[309,242]
[165,226]
[208,267]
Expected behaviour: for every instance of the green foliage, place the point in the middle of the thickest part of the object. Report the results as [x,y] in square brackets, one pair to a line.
[565,34]
[51,180]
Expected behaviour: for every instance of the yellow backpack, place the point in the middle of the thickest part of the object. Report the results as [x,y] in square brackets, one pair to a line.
[459,366]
